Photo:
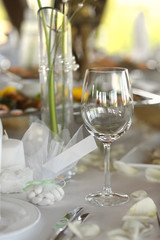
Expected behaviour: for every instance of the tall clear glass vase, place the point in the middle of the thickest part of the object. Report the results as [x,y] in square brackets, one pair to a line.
[55,69]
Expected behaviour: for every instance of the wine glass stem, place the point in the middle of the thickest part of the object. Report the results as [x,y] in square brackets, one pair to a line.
[107,181]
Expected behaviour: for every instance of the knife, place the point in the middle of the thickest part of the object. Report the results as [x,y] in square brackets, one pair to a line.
[61,225]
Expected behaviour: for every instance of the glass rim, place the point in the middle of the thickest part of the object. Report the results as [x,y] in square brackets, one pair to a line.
[107,69]
[56,13]
[50,8]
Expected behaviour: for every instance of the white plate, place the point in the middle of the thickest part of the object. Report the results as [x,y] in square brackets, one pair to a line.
[17,216]
[140,156]
[148,98]
[30,87]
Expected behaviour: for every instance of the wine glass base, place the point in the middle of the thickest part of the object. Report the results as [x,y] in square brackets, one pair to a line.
[104,199]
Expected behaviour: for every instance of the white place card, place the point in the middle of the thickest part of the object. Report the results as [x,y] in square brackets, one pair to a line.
[71,155]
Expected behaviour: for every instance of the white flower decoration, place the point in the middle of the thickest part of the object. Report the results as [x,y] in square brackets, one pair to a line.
[84,230]
[139,194]
[152,174]
[124,168]
[137,221]
[143,210]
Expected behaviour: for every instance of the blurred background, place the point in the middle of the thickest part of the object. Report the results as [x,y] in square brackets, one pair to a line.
[104,33]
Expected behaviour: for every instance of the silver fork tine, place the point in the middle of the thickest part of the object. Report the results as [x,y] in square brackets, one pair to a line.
[82,217]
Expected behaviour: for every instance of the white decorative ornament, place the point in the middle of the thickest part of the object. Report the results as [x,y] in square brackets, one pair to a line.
[131,229]
[139,194]
[118,234]
[84,230]
[124,168]
[143,210]
[136,228]
[137,222]
[44,194]
[152,174]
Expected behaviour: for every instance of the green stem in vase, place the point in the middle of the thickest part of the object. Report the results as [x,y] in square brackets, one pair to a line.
[52,107]
[50,77]
[51,86]
[64,29]
[45,27]
[60,40]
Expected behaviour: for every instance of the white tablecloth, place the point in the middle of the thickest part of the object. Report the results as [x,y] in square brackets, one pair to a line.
[107,218]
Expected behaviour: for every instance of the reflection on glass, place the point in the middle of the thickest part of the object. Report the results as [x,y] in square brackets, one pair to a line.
[107,113]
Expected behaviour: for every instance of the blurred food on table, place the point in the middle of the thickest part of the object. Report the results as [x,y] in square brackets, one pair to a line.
[101,37]
[77,93]
[124,62]
[14,103]
[31,72]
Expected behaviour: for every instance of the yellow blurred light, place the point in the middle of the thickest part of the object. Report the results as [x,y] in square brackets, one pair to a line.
[77,93]
[5,91]
[115,33]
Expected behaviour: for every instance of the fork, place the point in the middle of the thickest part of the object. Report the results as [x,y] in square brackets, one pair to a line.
[63,235]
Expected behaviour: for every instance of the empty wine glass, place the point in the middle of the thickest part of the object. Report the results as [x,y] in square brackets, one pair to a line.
[107,111]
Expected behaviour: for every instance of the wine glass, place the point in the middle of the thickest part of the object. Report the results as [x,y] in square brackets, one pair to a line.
[107,111]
